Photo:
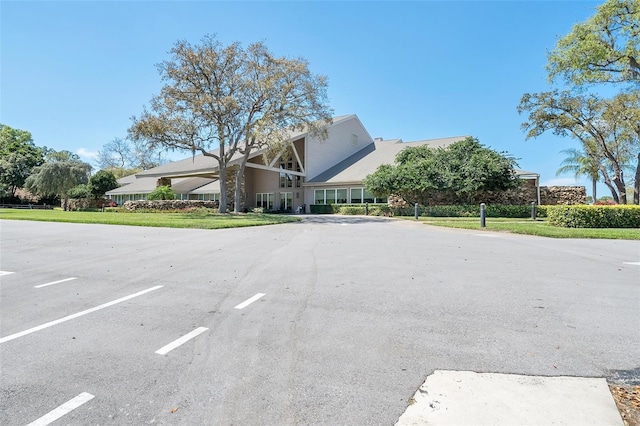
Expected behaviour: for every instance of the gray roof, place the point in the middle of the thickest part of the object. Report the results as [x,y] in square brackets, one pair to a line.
[210,188]
[526,174]
[206,165]
[144,185]
[364,162]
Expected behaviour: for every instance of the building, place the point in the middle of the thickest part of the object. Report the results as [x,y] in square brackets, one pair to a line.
[309,171]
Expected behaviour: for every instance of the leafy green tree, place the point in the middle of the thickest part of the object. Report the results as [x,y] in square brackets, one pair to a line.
[102,182]
[57,176]
[51,155]
[223,100]
[603,49]
[18,156]
[163,192]
[582,117]
[463,170]
[623,114]
[82,191]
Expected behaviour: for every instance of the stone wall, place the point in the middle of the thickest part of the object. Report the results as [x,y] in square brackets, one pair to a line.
[76,204]
[551,195]
[132,206]
[523,195]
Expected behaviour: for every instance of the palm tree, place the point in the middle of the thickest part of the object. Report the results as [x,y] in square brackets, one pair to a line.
[585,162]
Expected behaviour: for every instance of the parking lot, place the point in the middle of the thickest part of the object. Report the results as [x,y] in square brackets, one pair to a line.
[333,320]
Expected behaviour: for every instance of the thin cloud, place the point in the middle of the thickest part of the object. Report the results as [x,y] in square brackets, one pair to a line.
[85,153]
[559,182]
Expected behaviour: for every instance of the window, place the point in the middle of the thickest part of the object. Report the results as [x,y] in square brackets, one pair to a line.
[286,201]
[341,196]
[356,195]
[330,196]
[264,200]
[286,163]
[209,197]
[354,139]
[361,196]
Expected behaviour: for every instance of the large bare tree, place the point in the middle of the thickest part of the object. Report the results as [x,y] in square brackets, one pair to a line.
[220,101]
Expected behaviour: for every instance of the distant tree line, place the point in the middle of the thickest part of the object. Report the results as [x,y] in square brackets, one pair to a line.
[52,176]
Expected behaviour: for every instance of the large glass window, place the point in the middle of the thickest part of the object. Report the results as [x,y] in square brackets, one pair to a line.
[209,197]
[356,195]
[264,200]
[286,201]
[361,196]
[330,196]
[368,197]
[286,163]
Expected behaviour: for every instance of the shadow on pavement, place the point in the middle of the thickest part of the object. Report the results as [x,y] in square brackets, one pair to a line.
[340,219]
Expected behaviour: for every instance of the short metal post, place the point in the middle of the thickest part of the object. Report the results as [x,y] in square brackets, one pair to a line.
[533,210]
[416,211]
[366,209]
[483,220]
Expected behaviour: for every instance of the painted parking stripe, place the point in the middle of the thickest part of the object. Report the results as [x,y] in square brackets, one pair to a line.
[632,263]
[171,346]
[76,315]
[250,301]
[65,408]
[5,273]
[55,282]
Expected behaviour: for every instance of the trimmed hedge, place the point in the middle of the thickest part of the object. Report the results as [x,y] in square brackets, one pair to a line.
[581,216]
[321,209]
[152,205]
[491,210]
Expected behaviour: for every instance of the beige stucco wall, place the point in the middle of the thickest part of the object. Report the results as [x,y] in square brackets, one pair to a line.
[323,154]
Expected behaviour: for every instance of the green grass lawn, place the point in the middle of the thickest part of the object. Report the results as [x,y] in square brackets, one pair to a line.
[530,227]
[207,220]
[199,220]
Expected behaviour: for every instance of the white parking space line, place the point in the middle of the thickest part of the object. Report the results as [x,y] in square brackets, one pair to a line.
[76,315]
[249,301]
[5,273]
[55,282]
[171,346]
[632,263]
[65,408]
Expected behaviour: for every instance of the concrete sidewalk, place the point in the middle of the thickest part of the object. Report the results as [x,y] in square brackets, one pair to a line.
[468,398]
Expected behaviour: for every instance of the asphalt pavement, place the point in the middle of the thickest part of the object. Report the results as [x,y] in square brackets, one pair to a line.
[335,320]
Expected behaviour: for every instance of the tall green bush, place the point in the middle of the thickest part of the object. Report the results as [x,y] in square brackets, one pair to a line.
[162,193]
[581,216]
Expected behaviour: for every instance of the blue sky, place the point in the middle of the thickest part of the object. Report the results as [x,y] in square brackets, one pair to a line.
[73,73]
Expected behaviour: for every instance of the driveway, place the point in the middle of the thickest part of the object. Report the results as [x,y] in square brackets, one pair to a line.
[334,320]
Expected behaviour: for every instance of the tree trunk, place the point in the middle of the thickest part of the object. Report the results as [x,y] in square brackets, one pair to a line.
[607,181]
[622,190]
[593,188]
[237,205]
[222,208]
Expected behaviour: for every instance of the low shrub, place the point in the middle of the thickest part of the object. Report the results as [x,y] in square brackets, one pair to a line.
[467,210]
[162,193]
[596,216]
[352,210]
[167,205]
[321,209]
